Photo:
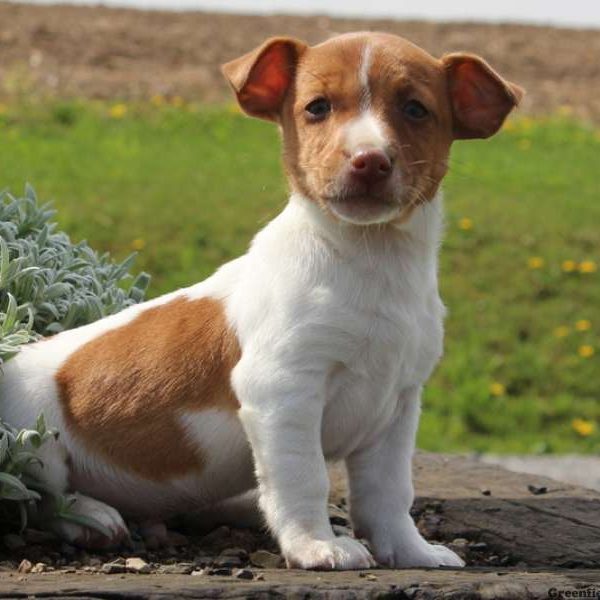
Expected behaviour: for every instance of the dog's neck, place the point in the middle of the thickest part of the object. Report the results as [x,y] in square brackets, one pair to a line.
[418,237]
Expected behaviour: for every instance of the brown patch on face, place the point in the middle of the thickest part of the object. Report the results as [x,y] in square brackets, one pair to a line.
[122,392]
[316,156]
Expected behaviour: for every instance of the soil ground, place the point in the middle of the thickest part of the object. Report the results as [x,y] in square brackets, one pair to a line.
[107,53]
[521,535]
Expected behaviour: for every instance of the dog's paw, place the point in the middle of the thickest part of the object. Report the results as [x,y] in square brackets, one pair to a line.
[79,534]
[402,553]
[339,553]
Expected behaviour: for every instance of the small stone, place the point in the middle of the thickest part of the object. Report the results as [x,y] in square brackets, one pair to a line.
[368,576]
[337,516]
[460,542]
[266,560]
[340,530]
[244,574]
[478,546]
[201,572]
[112,568]
[40,568]
[259,577]
[177,569]
[25,566]
[222,571]
[203,560]
[537,490]
[13,541]
[232,557]
[137,565]
[486,492]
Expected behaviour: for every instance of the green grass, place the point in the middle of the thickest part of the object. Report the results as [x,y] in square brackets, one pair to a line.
[189,186]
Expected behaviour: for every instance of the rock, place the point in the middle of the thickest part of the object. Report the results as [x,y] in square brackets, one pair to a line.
[201,572]
[368,576]
[266,560]
[337,516]
[478,546]
[232,557]
[203,560]
[177,569]
[486,492]
[116,566]
[537,490]
[41,568]
[244,574]
[25,566]
[13,541]
[341,530]
[223,571]
[137,565]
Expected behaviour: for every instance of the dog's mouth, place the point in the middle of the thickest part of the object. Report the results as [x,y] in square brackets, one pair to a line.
[363,209]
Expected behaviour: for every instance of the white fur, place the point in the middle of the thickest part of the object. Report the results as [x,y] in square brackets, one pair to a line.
[363,76]
[364,130]
[339,328]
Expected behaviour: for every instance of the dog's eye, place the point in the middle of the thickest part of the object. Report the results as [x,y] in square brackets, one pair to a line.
[415,111]
[318,109]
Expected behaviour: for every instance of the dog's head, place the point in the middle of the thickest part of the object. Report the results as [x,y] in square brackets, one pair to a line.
[368,118]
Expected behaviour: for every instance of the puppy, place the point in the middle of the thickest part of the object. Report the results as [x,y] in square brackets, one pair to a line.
[313,346]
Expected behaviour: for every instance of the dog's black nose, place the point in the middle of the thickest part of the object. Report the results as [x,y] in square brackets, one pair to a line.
[370,165]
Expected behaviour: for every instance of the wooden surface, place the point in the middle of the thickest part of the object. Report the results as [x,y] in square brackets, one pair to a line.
[547,541]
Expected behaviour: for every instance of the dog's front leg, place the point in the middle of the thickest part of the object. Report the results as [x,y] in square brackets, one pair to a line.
[281,412]
[381,494]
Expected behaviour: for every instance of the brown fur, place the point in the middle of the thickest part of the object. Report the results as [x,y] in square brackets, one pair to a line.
[121,392]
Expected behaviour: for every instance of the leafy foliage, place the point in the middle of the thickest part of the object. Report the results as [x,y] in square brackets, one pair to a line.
[47,284]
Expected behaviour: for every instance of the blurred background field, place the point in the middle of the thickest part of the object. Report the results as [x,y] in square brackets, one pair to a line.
[187,186]
[140,150]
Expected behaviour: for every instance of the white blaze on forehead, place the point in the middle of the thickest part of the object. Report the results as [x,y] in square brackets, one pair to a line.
[364,130]
[363,77]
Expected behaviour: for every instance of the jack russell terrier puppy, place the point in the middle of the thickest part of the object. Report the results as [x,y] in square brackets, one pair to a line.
[313,346]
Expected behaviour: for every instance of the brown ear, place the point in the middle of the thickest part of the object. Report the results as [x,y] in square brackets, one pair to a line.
[480,98]
[262,77]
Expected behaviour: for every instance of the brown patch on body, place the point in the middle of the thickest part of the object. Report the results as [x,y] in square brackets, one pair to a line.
[122,392]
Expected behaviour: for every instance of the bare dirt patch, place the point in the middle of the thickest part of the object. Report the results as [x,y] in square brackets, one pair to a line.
[107,53]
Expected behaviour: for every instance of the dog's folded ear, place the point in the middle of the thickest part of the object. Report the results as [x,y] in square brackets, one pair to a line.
[262,77]
[480,98]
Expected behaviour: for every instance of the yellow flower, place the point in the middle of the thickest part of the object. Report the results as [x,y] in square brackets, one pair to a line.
[561,331]
[138,244]
[118,111]
[583,325]
[587,266]
[565,110]
[586,351]
[465,223]
[177,101]
[583,427]
[508,125]
[568,266]
[234,108]
[497,389]
[524,144]
[535,262]
[157,100]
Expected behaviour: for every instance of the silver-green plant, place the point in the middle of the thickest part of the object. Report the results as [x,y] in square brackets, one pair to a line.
[47,284]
